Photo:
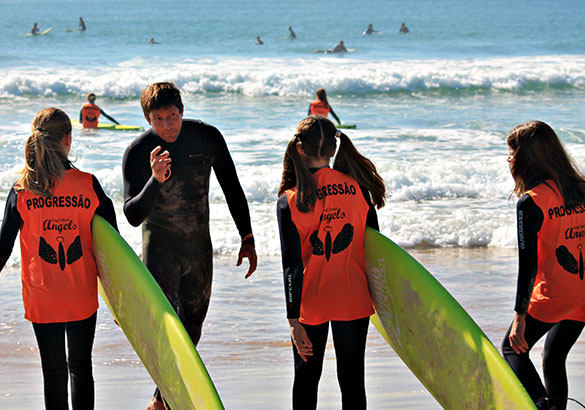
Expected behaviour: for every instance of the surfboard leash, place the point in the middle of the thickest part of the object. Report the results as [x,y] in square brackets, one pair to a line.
[576,401]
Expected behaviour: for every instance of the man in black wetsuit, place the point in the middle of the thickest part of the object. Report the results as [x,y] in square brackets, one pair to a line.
[166,186]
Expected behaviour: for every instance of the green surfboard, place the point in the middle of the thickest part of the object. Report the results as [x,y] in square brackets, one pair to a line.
[434,336]
[150,323]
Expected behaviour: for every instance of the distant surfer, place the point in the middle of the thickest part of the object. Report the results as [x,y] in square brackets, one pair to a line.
[292,34]
[52,205]
[258,41]
[90,113]
[403,29]
[370,29]
[322,216]
[151,41]
[35,30]
[321,106]
[166,189]
[339,48]
[82,24]
[550,293]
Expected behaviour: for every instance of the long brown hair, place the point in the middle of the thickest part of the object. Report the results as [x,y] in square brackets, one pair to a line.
[44,154]
[321,95]
[537,155]
[315,136]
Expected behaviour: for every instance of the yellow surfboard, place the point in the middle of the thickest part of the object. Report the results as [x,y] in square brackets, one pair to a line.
[434,336]
[150,323]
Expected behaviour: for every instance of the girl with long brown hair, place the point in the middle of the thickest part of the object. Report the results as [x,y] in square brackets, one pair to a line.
[52,205]
[323,213]
[550,296]
[321,106]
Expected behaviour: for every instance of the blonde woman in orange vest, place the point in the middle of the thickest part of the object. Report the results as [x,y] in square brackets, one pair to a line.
[550,295]
[52,205]
[322,215]
[321,106]
[90,113]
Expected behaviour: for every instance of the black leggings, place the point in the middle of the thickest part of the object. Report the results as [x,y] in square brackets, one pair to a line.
[349,339]
[559,341]
[58,365]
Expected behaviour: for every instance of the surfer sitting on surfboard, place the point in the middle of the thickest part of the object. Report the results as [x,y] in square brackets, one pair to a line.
[82,24]
[321,106]
[166,187]
[36,29]
[52,204]
[90,113]
[550,294]
[322,216]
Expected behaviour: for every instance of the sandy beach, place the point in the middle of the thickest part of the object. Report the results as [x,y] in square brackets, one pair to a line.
[245,342]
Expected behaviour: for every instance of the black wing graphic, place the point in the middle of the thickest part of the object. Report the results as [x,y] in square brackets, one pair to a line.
[317,243]
[567,260]
[74,251]
[344,238]
[47,253]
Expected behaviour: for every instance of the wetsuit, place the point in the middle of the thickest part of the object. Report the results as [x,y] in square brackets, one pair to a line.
[59,290]
[176,243]
[563,330]
[348,327]
[90,114]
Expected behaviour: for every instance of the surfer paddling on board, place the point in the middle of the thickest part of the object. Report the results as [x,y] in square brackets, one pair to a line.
[322,216]
[166,188]
[90,113]
[321,106]
[52,205]
[550,296]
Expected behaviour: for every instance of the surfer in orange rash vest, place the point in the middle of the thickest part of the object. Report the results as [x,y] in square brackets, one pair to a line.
[52,205]
[321,106]
[90,113]
[322,216]
[550,296]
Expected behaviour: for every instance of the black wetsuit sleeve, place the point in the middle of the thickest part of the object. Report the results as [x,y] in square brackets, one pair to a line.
[108,117]
[10,225]
[139,195]
[529,221]
[334,115]
[105,208]
[226,174]
[372,218]
[292,258]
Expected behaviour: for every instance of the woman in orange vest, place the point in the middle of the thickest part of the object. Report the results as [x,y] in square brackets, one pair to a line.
[321,106]
[322,215]
[52,204]
[90,113]
[550,295]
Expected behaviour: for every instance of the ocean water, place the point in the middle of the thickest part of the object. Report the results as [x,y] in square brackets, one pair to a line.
[432,109]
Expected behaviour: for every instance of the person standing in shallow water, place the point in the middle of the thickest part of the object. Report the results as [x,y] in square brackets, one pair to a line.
[59,273]
[550,296]
[321,106]
[166,189]
[322,216]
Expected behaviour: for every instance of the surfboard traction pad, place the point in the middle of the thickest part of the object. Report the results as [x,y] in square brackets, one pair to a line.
[434,336]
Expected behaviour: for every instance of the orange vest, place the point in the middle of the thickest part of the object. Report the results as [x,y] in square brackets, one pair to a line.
[320,108]
[59,273]
[90,113]
[332,242]
[559,288]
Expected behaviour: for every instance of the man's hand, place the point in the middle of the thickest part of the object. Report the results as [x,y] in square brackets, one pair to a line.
[300,339]
[248,251]
[160,164]
[517,341]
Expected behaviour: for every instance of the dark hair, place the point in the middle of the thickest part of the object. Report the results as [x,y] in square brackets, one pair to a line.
[538,155]
[90,97]
[316,138]
[160,95]
[44,154]
[321,95]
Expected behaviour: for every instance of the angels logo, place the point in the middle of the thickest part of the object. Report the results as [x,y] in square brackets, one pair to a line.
[49,255]
[341,242]
[568,261]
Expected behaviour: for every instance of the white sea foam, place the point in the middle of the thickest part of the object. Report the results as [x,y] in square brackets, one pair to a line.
[301,76]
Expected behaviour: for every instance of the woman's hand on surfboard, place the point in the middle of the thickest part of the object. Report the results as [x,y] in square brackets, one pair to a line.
[160,164]
[517,340]
[300,339]
[248,251]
